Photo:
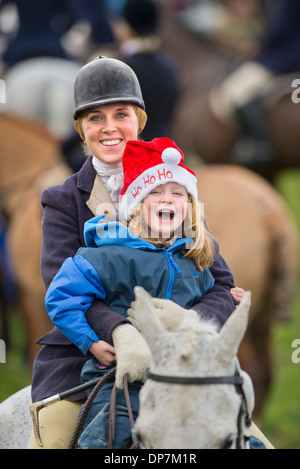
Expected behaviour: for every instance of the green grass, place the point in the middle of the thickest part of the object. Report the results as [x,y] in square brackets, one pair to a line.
[281,417]
[15,373]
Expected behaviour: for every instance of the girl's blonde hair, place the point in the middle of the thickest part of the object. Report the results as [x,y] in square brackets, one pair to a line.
[202,249]
[140,113]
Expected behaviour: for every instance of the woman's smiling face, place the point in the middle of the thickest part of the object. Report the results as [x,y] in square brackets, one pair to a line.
[107,128]
[164,209]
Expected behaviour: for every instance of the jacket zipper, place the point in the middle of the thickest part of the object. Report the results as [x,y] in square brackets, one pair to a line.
[172,267]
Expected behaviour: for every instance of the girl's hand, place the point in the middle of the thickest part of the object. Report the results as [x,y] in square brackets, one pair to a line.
[104,352]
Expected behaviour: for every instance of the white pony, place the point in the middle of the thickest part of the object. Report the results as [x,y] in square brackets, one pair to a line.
[195,396]
[15,420]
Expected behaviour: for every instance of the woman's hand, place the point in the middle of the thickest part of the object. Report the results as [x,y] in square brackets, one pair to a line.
[237,293]
[104,352]
[169,313]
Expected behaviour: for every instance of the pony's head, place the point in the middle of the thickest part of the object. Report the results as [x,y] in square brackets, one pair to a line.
[195,396]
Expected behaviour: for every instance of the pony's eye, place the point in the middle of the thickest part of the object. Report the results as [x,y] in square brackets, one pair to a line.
[137,439]
[227,443]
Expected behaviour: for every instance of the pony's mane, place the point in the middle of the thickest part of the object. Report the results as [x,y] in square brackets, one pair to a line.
[191,327]
[201,324]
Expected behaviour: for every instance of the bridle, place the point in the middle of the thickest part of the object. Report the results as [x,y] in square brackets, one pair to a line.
[237,380]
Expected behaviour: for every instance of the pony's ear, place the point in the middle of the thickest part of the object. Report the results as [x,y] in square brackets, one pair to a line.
[147,320]
[235,327]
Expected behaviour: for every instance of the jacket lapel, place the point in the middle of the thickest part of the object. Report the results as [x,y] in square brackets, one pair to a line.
[100,201]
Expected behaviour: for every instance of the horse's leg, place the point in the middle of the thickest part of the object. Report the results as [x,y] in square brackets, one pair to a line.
[250,362]
[261,342]
[255,358]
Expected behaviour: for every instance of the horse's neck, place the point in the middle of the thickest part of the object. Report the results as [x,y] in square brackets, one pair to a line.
[27,151]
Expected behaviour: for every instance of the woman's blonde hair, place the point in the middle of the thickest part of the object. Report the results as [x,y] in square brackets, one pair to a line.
[202,249]
[140,113]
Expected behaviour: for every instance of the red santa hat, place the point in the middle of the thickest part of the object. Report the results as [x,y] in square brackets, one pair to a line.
[147,165]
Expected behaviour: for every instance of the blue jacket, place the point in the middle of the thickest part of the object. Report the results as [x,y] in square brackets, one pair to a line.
[128,261]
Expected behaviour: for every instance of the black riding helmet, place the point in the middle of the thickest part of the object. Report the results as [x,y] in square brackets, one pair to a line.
[105,81]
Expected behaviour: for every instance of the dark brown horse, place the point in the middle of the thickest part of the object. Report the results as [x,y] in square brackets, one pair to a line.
[244,212]
[202,64]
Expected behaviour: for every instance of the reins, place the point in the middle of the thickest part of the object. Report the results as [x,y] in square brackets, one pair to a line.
[112,413]
[112,410]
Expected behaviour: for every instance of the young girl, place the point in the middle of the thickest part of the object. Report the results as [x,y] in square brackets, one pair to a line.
[165,248]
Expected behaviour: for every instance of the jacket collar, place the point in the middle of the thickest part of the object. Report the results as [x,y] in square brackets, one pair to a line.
[88,181]
[116,233]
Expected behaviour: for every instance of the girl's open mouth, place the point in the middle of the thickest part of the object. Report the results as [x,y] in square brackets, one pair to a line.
[165,215]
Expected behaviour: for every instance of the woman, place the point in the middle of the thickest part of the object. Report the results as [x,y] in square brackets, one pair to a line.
[109,111]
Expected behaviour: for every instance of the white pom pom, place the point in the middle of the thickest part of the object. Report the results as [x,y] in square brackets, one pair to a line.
[171,156]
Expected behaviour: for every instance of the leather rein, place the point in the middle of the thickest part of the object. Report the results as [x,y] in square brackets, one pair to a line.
[112,409]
